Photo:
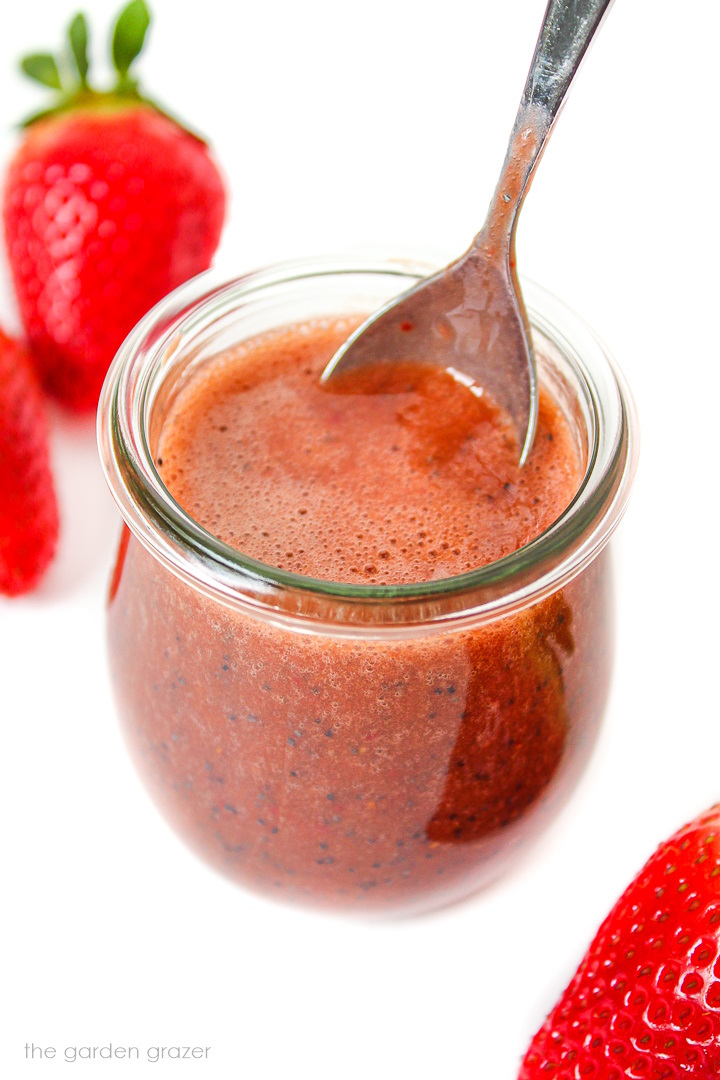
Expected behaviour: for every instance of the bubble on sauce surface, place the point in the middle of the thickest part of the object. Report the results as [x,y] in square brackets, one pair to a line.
[394,475]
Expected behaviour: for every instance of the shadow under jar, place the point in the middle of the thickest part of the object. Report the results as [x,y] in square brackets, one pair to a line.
[359,746]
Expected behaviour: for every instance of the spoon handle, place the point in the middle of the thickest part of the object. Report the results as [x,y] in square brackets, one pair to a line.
[567,30]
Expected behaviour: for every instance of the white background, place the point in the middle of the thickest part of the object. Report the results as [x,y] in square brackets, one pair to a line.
[382,123]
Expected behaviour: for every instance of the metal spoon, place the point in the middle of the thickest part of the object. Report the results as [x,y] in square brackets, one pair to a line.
[470,317]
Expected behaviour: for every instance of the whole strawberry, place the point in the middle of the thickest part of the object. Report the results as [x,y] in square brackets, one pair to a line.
[645,1001]
[108,205]
[28,508]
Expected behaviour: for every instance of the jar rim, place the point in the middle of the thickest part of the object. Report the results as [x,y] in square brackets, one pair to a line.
[206,563]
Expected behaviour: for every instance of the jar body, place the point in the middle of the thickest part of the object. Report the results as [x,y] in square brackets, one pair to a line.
[360,773]
[363,747]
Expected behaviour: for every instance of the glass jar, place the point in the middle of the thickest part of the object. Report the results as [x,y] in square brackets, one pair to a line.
[366,747]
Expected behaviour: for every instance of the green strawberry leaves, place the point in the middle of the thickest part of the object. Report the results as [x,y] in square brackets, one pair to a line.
[78,38]
[129,36]
[45,69]
[68,72]
[42,67]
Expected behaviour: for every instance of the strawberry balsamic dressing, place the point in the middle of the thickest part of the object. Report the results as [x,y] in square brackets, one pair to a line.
[351,769]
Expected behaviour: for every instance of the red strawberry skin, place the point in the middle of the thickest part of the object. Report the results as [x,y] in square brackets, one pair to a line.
[645,1001]
[28,507]
[106,210]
